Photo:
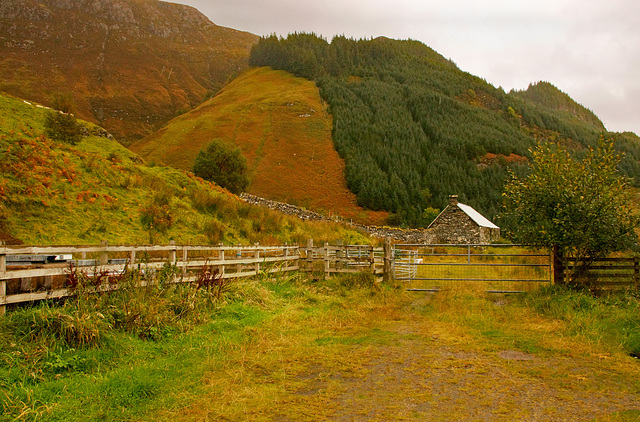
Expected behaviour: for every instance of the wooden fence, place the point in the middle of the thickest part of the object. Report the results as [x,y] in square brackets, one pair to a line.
[602,274]
[31,273]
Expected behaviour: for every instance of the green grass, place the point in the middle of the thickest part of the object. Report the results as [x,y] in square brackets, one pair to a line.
[303,350]
[612,320]
[122,372]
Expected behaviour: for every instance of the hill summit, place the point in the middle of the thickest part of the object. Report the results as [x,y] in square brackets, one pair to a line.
[131,65]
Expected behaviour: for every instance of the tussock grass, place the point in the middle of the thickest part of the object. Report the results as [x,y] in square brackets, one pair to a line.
[612,320]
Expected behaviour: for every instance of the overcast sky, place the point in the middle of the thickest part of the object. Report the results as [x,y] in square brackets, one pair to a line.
[589,49]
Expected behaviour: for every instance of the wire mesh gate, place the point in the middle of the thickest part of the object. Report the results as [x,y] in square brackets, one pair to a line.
[496,268]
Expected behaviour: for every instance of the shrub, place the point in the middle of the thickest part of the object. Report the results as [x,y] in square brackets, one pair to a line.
[223,164]
[214,230]
[61,125]
[157,214]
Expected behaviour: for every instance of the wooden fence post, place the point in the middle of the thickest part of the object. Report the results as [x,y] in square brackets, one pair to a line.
[327,263]
[104,255]
[257,256]
[286,264]
[222,259]
[3,282]
[172,252]
[388,260]
[184,261]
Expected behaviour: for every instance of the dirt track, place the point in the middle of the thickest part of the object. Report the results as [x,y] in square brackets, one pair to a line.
[417,357]
[419,371]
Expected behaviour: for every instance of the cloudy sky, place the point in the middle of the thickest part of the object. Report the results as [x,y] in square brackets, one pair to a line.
[590,49]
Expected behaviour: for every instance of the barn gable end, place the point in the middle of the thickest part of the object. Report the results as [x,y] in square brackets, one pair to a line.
[460,223]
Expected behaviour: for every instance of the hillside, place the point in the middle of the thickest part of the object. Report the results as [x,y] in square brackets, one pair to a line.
[283,129]
[413,128]
[52,193]
[547,95]
[131,65]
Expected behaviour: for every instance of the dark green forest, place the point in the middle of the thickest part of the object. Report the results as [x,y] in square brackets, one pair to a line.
[413,128]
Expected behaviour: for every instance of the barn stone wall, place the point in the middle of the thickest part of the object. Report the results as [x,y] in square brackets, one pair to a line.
[454,226]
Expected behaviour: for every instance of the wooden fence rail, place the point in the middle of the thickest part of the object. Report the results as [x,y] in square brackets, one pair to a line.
[31,273]
[602,274]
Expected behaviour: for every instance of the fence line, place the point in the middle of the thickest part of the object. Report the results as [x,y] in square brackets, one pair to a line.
[31,273]
[601,274]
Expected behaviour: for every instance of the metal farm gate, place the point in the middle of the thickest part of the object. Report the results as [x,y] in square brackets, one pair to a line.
[494,268]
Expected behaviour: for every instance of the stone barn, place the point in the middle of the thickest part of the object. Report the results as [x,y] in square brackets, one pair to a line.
[460,223]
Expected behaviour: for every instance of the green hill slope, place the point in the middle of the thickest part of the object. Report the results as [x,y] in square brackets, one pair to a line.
[131,65]
[413,128]
[281,125]
[53,193]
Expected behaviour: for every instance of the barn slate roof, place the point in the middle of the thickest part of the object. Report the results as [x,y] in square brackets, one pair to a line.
[479,219]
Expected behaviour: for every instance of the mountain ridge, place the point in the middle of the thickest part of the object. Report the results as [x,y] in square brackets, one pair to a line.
[131,65]
[413,128]
[546,94]
[409,126]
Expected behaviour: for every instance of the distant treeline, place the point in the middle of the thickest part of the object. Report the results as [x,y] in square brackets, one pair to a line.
[413,128]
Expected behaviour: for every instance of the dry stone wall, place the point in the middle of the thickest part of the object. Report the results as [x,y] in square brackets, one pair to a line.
[399,235]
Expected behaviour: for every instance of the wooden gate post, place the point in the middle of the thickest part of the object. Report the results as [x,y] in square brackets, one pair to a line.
[388,260]
[558,267]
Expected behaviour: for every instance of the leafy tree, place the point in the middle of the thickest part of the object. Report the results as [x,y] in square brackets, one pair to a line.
[60,124]
[429,214]
[582,207]
[223,164]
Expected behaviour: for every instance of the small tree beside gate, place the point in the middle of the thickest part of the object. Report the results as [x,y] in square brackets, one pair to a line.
[580,208]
